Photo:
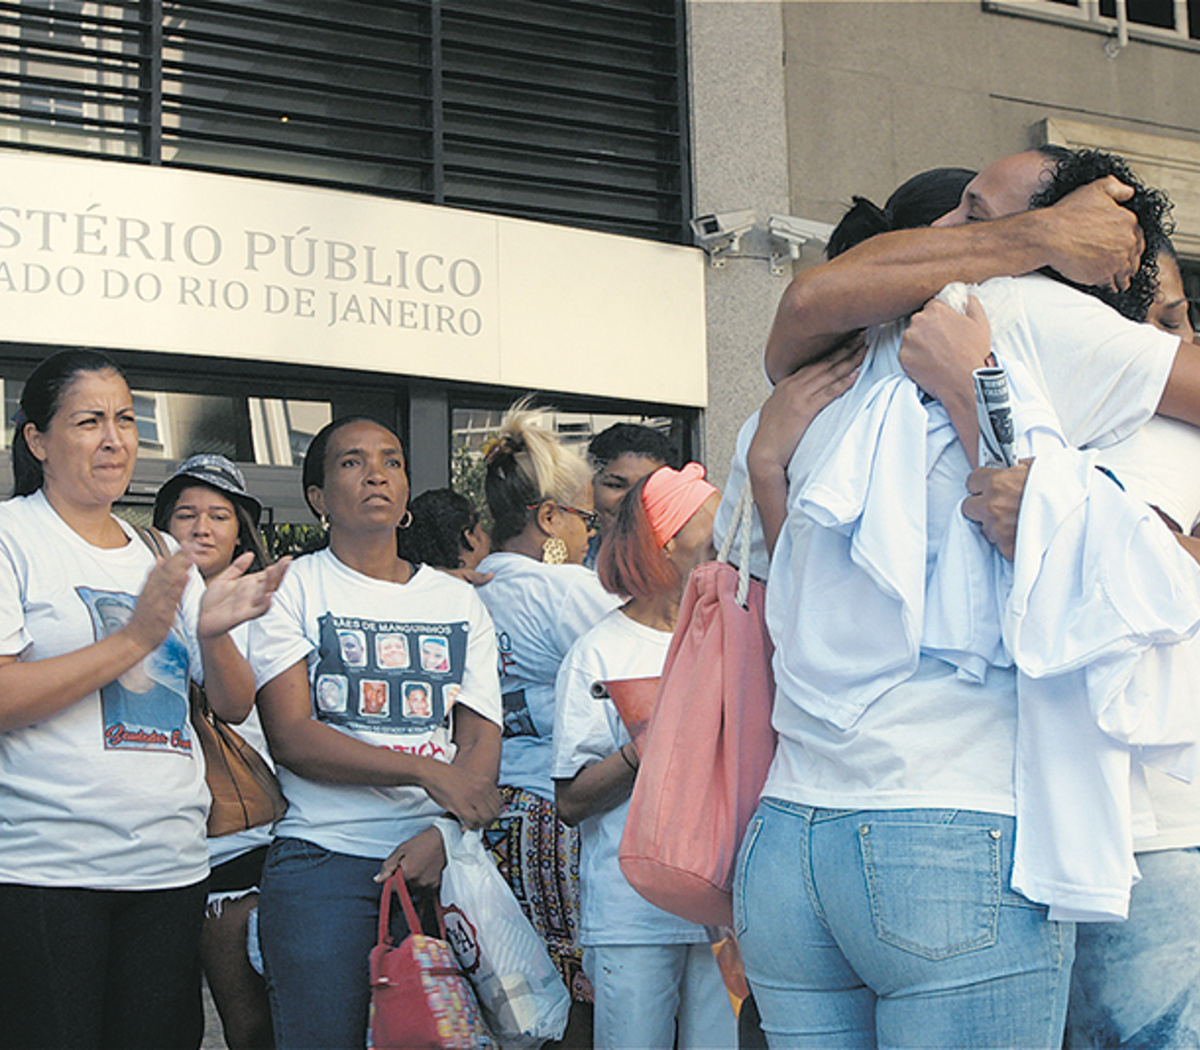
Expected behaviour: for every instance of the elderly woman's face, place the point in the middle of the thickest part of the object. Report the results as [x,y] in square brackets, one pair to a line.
[90,445]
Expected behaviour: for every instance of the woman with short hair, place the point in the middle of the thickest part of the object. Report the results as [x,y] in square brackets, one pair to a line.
[356,637]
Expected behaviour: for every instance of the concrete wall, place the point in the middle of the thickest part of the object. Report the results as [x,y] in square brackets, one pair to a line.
[877,91]
[797,104]
[739,145]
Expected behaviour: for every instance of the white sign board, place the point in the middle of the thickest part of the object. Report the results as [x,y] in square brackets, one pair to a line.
[125,256]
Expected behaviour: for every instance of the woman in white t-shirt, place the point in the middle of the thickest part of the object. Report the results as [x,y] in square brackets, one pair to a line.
[207,509]
[650,970]
[378,692]
[541,598]
[102,796]
[903,926]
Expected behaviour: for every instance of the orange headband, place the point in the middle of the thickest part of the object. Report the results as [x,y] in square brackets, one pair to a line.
[671,497]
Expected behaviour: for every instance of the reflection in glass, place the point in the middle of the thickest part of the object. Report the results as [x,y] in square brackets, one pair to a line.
[173,425]
[470,429]
[282,429]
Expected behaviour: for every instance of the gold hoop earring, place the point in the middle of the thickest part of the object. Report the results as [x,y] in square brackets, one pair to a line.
[554,551]
[406,521]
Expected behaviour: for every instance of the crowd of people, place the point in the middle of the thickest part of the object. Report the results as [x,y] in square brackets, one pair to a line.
[978,828]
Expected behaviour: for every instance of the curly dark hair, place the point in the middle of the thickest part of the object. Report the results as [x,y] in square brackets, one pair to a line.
[1152,208]
[436,536]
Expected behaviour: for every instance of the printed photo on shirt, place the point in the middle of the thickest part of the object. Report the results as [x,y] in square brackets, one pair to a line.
[332,690]
[373,698]
[435,654]
[387,677]
[518,719]
[417,701]
[391,650]
[146,707]
[354,648]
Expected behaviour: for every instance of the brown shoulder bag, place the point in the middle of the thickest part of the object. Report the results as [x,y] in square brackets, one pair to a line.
[245,792]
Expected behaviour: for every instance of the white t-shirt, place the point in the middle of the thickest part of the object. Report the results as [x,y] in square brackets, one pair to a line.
[1161,465]
[109,792]
[588,729]
[387,662]
[539,610]
[227,847]
[935,741]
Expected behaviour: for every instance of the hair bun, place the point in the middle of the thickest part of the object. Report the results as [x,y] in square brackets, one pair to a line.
[863,219]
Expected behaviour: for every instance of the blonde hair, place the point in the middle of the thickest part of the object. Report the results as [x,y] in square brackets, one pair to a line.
[527,465]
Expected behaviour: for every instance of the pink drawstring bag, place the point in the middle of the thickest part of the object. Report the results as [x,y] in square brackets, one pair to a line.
[709,744]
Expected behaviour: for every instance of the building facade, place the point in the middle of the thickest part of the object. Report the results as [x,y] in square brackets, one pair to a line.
[277,212]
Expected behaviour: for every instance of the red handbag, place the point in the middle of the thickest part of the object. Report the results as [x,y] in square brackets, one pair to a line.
[706,753]
[419,996]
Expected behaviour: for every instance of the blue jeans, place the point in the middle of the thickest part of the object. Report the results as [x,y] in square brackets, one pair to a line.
[1136,984]
[318,919]
[643,991]
[895,928]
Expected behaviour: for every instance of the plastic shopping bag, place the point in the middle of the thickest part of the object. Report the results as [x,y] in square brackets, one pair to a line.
[523,998]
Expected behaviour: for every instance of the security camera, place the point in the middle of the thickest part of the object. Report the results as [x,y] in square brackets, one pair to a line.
[795,233]
[720,233]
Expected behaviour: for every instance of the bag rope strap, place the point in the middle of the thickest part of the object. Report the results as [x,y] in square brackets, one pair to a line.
[741,526]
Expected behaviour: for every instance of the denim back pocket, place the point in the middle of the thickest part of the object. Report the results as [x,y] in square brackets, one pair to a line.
[739,880]
[934,888]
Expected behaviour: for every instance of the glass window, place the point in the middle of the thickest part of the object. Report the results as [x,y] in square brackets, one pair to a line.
[281,429]
[12,402]
[1159,13]
[563,112]
[472,427]
[71,73]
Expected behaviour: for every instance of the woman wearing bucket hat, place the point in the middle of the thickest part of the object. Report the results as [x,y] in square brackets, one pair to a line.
[206,507]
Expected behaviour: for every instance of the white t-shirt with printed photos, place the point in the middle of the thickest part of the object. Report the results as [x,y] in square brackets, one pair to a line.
[109,792]
[387,662]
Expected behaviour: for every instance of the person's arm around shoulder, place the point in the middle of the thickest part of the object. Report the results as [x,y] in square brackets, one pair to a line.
[1086,237]
[785,416]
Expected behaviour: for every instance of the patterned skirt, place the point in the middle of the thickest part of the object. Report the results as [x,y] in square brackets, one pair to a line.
[538,855]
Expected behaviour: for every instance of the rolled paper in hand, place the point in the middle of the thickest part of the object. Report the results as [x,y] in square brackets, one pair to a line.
[997,444]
